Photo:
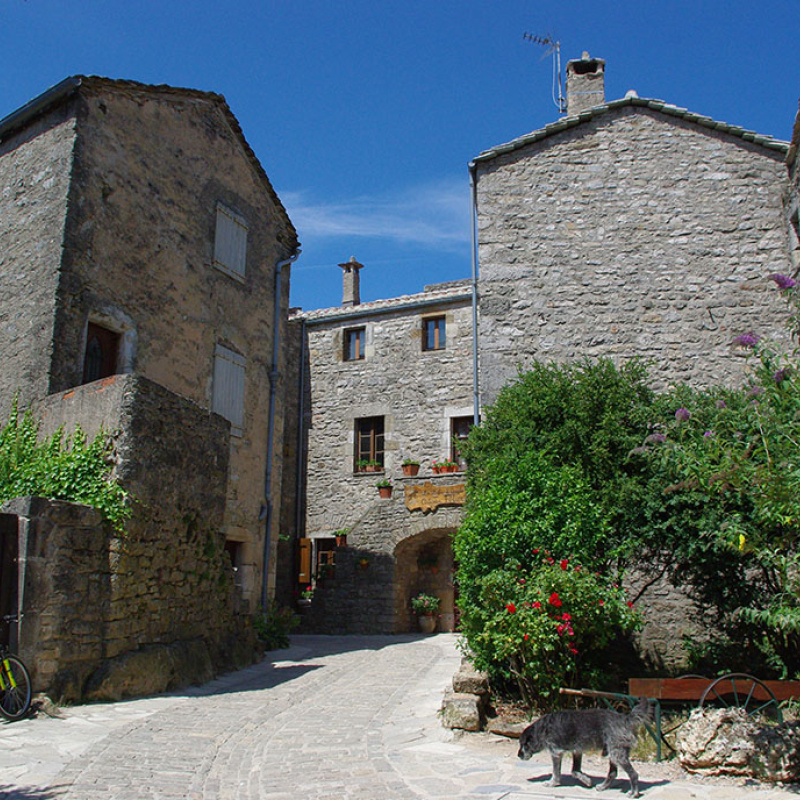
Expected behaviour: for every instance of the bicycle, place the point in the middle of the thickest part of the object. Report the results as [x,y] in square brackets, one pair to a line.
[15,684]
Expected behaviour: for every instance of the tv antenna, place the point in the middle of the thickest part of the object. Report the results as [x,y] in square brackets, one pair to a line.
[554,49]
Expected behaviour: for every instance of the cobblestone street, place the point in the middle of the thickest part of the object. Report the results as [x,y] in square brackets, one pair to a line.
[331,717]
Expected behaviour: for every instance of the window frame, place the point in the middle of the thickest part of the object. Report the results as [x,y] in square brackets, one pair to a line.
[455,436]
[439,323]
[110,343]
[373,431]
[359,335]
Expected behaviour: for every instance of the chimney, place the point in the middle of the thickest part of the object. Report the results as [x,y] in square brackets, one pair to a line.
[585,83]
[351,288]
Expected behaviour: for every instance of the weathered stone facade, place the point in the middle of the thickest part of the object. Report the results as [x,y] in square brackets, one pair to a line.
[416,393]
[110,197]
[634,229]
[163,585]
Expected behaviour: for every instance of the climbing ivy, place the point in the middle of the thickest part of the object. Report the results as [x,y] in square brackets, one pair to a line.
[71,468]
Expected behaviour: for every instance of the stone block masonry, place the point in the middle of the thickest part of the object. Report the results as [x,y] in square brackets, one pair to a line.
[632,234]
[109,614]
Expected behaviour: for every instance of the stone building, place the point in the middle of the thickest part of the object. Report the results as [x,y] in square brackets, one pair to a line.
[629,228]
[144,255]
[626,228]
[383,382]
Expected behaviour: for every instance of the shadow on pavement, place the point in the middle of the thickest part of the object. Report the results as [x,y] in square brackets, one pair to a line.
[13,793]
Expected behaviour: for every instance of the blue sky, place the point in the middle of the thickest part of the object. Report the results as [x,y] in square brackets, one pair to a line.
[365,113]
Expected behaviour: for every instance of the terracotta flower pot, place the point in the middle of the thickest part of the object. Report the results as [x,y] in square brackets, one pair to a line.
[385,491]
[410,470]
[427,623]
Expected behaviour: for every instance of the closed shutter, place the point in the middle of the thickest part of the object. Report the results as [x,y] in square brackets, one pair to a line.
[230,242]
[228,400]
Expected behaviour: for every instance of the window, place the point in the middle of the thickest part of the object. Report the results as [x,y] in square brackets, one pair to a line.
[369,440]
[459,431]
[230,242]
[433,333]
[102,352]
[228,400]
[354,344]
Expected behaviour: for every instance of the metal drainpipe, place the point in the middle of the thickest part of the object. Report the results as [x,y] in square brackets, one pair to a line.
[266,511]
[301,462]
[476,396]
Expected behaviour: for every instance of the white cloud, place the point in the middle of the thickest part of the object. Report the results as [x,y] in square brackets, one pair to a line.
[435,215]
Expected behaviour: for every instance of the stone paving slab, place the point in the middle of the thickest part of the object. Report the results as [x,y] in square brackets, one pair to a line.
[347,718]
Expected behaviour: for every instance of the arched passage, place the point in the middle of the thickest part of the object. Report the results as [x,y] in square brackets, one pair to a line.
[424,563]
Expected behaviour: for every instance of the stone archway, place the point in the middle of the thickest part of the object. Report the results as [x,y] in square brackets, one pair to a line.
[424,563]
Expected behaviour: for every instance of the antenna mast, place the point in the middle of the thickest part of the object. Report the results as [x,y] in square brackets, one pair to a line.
[554,48]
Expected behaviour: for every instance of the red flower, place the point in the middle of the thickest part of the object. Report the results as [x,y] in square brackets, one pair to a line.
[526,637]
[602,602]
[630,605]
[522,581]
[566,617]
[573,650]
[536,604]
[555,600]
[511,608]
[550,560]
[536,551]
[564,564]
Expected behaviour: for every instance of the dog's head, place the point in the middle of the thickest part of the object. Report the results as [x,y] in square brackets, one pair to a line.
[530,742]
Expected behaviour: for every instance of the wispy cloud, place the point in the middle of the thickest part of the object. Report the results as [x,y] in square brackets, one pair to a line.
[435,216]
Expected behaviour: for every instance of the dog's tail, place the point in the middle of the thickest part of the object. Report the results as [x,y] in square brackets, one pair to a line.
[642,712]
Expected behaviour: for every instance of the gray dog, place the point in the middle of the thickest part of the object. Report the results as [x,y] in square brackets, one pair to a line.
[590,729]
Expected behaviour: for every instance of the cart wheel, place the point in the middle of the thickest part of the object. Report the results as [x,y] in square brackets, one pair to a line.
[738,690]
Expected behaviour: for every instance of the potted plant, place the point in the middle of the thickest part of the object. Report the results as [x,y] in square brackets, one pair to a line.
[384,488]
[449,466]
[425,607]
[341,537]
[306,596]
[436,466]
[410,467]
[361,465]
[363,562]
[373,466]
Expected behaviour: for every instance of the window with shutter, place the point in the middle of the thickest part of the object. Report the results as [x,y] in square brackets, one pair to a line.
[228,400]
[230,242]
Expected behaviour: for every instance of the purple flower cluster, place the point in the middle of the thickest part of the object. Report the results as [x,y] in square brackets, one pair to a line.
[657,437]
[683,415]
[782,374]
[783,281]
[746,340]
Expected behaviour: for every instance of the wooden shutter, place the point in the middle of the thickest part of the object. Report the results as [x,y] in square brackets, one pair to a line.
[304,571]
[228,400]
[230,242]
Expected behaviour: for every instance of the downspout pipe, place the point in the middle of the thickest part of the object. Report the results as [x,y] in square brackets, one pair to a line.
[274,375]
[301,432]
[476,394]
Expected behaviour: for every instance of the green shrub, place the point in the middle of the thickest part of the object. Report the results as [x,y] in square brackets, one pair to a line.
[274,625]
[544,623]
[62,469]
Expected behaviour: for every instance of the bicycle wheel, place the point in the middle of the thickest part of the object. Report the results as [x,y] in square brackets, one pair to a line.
[15,688]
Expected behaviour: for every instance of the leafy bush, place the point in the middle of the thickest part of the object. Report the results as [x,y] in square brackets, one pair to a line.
[544,623]
[62,469]
[274,625]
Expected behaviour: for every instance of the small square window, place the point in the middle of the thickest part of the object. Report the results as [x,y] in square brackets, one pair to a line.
[433,333]
[368,442]
[354,344]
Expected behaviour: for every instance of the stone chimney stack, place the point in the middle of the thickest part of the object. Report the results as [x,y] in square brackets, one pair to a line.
[351,289]
[585,83]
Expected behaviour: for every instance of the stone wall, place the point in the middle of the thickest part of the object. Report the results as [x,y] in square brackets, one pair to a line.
[631,234]
[416,392]
[381,568]
[163,582]
[35,170]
